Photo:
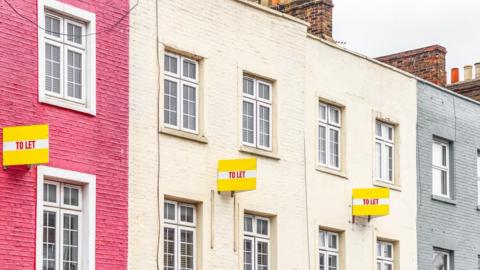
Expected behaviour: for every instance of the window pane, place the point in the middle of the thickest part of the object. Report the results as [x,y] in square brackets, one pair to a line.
[378,160]
[74,33]
[186,249]
[322,261]
[71,196]
[248,122]
[247,254]
[49,193]
[171,64]
[189,69]
[263,91]
[170,102]
[262,255]
[390,162]
[74,74]
[332,262]
[390,133]
[52,26]
[169,211]
[334,148]
[70,241]
[444,183]
[322,112]
[444,155]
[264,125]
[52,68]
[189,107]
[436,181]
[186,214]
[248,86]
[169,248]
[334,115]
[322,240]
[387,266]
[332,241]
[248,224]
[262,227]
[322,144]
[378,129]
[49,240]
[387,251]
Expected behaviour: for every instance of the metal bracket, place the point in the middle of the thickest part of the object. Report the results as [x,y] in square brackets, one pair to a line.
[5,168]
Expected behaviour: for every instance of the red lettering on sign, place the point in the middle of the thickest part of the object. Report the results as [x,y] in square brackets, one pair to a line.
[240,174]
[25,145]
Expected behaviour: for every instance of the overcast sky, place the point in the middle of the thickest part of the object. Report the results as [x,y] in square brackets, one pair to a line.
[381,27]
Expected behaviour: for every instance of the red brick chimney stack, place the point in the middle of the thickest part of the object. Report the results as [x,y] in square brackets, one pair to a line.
[427,63]
[319,13]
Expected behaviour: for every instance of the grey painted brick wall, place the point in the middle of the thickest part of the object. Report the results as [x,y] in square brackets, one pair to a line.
[451,225]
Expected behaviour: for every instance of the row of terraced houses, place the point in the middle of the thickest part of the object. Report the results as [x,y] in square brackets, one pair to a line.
[143,98]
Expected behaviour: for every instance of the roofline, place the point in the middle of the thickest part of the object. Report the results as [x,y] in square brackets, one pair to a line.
[273,12]
[404,73]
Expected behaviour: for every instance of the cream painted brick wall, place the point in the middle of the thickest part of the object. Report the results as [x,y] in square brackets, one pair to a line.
[231,37]
[363,88]
[143,218]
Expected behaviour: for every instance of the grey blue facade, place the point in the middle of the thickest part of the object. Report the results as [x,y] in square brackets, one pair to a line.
[450,225]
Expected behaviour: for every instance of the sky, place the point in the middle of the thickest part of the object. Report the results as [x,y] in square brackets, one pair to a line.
[381,27]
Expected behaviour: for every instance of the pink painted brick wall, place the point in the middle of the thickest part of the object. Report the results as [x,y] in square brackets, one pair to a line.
[91,144]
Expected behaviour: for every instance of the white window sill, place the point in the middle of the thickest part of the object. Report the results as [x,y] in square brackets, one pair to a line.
[334,172]
[444,199]
[67,104]
[391,186]
[259,152]
[184,135]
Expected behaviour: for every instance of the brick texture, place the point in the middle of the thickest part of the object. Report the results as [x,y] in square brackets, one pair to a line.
[319,13]
[444,225]
[92,144]
[427,63]
[470,89]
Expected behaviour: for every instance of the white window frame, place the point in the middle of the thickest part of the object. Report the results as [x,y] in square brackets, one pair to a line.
[441,168]
[384,142]
[326,250]
[181,81]
[257,101]
[329,125]
[68,14]
[441,252]
[385,260]
[255,238]
[178,226]
[87,218]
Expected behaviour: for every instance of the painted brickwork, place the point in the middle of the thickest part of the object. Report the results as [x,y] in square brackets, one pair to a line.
[80,142]
[452,224]
[231,37]
[427,63]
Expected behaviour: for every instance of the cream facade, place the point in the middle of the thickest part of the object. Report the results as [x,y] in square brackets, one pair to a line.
[209,48]
[365,92]
[228,40]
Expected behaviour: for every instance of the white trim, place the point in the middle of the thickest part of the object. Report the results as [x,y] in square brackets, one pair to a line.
[384,143]
[195,86]
[185,223]
[269,107]
[168,73]
[252,102]
[89,86]
[262,240]
[185,78]
[88,182]
[252,261]
[329,126]
[83,73]
[442,168]
[80,228]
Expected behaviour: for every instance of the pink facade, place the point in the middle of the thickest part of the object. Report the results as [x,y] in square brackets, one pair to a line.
[93,144]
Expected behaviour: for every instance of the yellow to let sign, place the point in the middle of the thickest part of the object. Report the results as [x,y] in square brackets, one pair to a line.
[371,202]
[237,175]
[25,145]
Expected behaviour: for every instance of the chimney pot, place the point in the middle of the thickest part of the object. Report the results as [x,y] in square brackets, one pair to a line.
[455,76]
[467,76]
[477,71]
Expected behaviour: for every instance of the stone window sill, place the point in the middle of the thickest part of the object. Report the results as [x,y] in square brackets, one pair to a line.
[340,174]
[259,152]
[184,135]
[387,185]
[444,199]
